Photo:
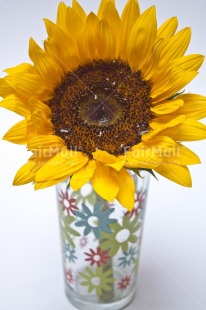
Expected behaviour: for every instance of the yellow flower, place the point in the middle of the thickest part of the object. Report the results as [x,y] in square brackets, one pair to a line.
[101,97]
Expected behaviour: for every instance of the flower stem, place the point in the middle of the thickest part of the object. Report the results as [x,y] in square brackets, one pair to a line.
[107,296]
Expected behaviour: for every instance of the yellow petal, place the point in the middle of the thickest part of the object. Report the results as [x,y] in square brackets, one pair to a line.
[175,173]
[159,143]
[79,10]
[103,6]
[104,157]
[20,69]
[66,49]
[180,155]
[61,15]
[181,78]
[39,162]
[83,48]
[129,17]
[46,145]
[18,133]
[111,15]
[168,28]
[13,103]
[24,174]
[105,41]
[109,159]
[91,24]
[141,156]
[168,106]
[146,161]
[44,184]
[126,192]
[5,89]
[41,123]
[45,141]
[53,50]
[62,166]
[152,152]
[86,40]
[53,30]
[190,62]
[34,48]
[118,164]
[175,47]
[162,124]
[49,70]
[150,68]
[74,22]
[189,130]
[194,106]
[105,182]
[25,85]
[83,175]
[168,151]
[142,39]
[37,105]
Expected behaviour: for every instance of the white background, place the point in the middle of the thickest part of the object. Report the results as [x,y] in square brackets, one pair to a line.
[172,272]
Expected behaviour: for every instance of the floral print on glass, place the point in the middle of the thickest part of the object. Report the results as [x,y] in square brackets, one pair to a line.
[68,204]
[97,257]
[121,236]
[100,241]
[124,283]
[128,257]
[97,279]
[95,221]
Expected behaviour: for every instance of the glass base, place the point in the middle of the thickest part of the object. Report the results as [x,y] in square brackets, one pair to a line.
[112,300]
[84,304]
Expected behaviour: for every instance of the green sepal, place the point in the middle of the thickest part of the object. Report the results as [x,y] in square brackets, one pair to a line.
[68,185]
[151,172]
[138,172]
[175,95]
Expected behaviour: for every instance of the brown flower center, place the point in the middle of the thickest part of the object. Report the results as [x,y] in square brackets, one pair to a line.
[102,106]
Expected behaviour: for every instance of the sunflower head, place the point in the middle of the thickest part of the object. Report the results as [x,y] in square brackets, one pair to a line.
[103,95]
[101,109]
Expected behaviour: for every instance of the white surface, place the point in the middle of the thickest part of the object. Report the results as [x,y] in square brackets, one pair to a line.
[172,272]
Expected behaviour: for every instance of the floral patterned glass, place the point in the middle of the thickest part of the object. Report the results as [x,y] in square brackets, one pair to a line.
[100,245]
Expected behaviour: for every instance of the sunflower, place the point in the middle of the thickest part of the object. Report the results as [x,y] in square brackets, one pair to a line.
[103,96]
